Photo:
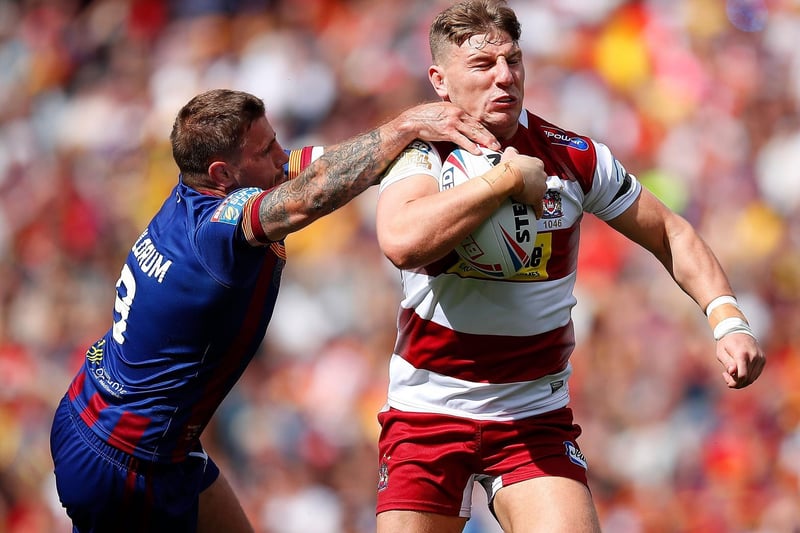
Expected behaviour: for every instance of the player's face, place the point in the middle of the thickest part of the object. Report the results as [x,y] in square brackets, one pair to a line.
[262,158]
[485,76]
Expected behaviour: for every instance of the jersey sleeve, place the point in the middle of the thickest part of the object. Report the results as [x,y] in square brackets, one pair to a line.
[300,159]
[251,228]
[613,189]
[223,242]
[419,157]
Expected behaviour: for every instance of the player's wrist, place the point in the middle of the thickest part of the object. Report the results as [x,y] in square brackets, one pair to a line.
[505,180]
[726,317]
[730,325]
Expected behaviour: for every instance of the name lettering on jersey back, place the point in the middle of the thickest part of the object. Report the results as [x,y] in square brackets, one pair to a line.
[150,260]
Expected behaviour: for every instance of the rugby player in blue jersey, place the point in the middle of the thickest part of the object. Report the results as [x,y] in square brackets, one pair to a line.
[193,301]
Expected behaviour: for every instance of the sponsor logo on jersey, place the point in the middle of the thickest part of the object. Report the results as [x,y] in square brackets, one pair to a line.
[561,138]
[383,474]
[417,155]
[95,352]
[556,385]
[111,386]
[575,454]
[552,205]
[95,356]
[230,210]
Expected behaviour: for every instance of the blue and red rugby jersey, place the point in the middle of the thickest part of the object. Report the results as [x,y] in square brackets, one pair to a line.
[193,303]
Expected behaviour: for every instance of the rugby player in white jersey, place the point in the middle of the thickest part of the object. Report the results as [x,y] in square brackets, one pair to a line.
[479,376]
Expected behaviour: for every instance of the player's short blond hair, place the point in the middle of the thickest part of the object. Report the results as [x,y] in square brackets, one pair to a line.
[468,18]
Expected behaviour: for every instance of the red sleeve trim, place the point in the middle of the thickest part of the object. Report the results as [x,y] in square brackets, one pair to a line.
[251,223]
[299,161]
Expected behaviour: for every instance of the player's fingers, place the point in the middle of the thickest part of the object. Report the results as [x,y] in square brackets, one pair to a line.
[744,368]
[466,143]
[725,358]
[478,134]
[738,377]
[761,363]
[755,366]
[538,209]
[731,372]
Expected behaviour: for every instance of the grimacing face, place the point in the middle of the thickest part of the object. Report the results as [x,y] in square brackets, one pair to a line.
[262,158]
[486,77]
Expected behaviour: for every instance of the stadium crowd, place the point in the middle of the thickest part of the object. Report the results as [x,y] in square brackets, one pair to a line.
[699,98]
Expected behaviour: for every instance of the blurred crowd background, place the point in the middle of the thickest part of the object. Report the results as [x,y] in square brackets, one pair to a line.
[699,98]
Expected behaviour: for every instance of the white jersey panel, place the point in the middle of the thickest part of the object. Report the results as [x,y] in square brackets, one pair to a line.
[482,306]
[423,391]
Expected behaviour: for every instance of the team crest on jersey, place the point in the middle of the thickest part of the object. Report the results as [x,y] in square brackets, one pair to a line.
[561,138]
[575,455]
[552,205]
[230,210]
[383,474]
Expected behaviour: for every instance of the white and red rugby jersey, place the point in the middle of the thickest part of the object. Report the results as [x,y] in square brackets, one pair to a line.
[477,347]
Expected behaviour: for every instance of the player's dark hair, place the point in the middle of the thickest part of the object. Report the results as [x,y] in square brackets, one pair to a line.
[211,127]
[465,19]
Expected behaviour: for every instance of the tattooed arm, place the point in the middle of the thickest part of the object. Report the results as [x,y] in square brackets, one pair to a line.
[348,168]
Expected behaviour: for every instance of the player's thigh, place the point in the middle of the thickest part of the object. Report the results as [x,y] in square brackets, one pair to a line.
[546,504]
[220,510]
[418,522]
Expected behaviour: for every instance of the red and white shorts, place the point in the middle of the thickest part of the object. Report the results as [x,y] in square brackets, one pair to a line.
[430,462]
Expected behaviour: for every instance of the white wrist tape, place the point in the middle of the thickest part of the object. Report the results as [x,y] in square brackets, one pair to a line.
[721,300]
[730,325]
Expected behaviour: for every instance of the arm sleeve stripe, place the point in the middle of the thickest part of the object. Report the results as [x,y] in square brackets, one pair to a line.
[626,186]
[251,223]
[300,159]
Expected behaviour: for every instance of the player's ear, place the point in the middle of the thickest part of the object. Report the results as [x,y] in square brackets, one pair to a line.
[219,173]
[437,81]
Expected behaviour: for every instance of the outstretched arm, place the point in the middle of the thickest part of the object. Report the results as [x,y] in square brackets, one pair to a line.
[695,268]
[348,168]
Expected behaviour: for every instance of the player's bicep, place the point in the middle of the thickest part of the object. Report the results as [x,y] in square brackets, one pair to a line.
[397,210]
[647,222]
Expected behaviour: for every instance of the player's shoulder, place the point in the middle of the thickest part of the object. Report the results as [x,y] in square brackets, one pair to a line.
[418,158]
[574,152]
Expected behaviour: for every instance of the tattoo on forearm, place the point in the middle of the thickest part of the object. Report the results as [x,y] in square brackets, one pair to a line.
[337,177]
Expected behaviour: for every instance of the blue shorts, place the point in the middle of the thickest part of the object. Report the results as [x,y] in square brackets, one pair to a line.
[106,490]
